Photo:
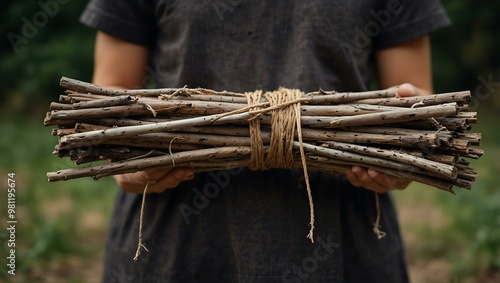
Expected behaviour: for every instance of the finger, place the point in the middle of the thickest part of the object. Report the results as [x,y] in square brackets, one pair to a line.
[157,173]
[353,178]
[370,183]
[406,90]
[172,179]
[362,179]
[388,181]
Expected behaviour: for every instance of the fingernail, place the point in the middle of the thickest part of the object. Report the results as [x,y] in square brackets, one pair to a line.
[179,174]
[356,169]
[411,88]
[372,173]
[189,176]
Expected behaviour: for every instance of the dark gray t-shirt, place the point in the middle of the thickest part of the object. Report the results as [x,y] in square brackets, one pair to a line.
[240,225]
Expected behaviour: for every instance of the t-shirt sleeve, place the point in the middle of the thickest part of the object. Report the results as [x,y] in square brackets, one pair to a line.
[408,20]
[130,20]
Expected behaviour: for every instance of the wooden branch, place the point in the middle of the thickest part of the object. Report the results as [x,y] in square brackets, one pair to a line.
[460,97]
[123,167]
[396,116]
[445,170]
[393,155]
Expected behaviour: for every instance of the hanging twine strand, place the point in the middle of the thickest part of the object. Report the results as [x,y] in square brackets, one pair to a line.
[140,244]
[284,106]
[376,226]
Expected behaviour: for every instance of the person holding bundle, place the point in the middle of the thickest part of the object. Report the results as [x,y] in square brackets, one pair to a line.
[253,230]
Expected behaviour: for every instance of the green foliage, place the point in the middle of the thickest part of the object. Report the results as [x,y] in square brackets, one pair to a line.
[58,46]
[50,216]
[470,239]
[469,48]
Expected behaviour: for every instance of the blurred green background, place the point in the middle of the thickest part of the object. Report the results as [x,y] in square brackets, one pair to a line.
[62,226]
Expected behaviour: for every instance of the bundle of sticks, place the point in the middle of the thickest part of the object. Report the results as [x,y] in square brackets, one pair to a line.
[423,138]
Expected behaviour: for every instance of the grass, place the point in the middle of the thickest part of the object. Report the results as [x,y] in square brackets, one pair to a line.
[56,221]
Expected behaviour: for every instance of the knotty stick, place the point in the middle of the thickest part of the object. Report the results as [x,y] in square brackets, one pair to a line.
[391,155]
[445,170]
[329,97]
[107,102]
[96,137]
[327,167]
[122,167]
[460,97]
[402,115]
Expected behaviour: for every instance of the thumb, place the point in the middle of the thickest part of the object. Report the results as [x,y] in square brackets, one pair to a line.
[406,89]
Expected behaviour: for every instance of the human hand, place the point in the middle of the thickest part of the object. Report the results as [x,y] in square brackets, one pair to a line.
[160,179]
[375,180]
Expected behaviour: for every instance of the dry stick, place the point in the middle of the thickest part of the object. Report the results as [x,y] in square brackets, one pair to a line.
[341,98]
[395,156]
[417,174]
[473,138]
[386,130]
[330,165]
[474,153]
[63,132]
[454,123]
[60,106]
[86,127]
[380,97]
[444,137]
[402,115]
[204,97]
[427,140]
[108,102]
[80,86]
[85,87]
[114,111]
[96,155]
[460,97]
[96,137]
[444,170]
[343,110]
[75,97]
[434,156]
[120,150]
[123,167]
